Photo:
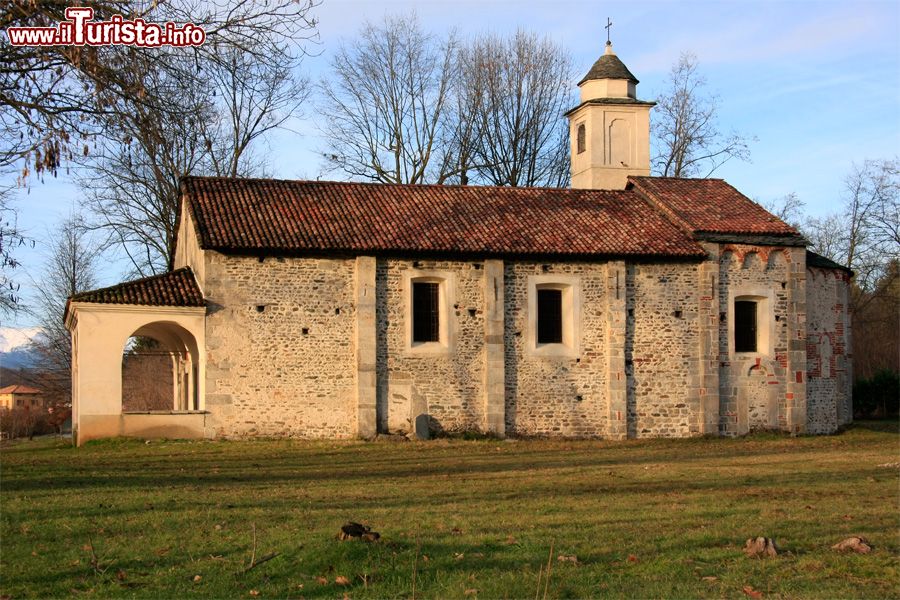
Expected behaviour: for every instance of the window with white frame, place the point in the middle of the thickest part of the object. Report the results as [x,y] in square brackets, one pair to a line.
[426,312]
[554,321]
[429,328]
[751,323]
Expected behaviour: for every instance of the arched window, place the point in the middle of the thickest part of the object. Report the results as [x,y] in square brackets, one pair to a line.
[580,136]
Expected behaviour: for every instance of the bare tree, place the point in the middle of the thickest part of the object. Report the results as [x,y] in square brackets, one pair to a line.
[871,214]
[51,98]
[218,105]
[788,208]
[48,96]
[863,236]
[517,89]
[827,236]
[687,138]
[385,105]
[404,106]
[11,238]
[71,267]
[255,98]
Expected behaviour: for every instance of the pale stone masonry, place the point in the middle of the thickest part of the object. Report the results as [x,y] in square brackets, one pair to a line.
[627,307]
[316,348]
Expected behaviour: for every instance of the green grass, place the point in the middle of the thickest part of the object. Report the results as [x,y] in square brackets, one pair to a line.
[458,519]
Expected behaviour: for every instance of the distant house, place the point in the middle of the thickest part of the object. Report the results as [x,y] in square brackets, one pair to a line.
[21,396]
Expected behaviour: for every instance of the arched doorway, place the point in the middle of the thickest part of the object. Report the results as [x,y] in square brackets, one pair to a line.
[160,369]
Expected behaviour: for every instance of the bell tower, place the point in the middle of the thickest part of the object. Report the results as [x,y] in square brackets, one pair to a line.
[609,130]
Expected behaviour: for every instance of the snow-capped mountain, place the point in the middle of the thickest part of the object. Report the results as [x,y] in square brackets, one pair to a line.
[15,347]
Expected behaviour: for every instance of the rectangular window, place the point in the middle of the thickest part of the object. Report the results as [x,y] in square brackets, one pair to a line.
[549,317]
[744,326]
[426,312]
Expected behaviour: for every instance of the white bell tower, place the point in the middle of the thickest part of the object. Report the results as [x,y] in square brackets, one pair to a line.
[610,130]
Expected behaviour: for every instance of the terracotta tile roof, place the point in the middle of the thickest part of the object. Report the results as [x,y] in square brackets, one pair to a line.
[263,215]
[710,206]
[19,389]
[176,288]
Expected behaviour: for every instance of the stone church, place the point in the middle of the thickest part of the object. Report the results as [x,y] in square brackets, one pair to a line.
[626,306]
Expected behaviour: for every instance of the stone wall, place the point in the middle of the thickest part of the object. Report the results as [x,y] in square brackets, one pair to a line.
[662,350]
[653,354]
[446,386]
[556,395]
[280,346]
[829,387]
[761,390]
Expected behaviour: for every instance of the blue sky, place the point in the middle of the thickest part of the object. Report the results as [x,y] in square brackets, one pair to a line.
[817,83]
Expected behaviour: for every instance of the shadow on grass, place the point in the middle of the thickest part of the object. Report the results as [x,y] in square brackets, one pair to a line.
[882,426]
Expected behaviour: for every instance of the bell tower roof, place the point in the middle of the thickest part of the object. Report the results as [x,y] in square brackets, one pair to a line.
[609,66]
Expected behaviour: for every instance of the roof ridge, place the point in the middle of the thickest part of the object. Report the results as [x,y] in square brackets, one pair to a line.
[570,190]
[669,178]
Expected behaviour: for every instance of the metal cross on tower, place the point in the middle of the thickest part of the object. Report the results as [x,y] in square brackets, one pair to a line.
[608,27]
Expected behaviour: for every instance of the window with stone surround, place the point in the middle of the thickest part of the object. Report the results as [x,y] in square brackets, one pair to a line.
[429,327]
[751,322]
[426,312]
[744,326]
[554,319]
[581,144]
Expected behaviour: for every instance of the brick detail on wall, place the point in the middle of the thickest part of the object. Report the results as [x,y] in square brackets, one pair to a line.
[795,398]
[829,376]
[759,383]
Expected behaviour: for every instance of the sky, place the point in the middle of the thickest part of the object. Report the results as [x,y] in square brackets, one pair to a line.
[815,83]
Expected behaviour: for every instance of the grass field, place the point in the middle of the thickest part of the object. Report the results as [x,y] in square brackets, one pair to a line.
[458,519]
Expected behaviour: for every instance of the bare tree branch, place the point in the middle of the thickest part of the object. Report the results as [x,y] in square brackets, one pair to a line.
[517,89]
[385,105]
[687,139]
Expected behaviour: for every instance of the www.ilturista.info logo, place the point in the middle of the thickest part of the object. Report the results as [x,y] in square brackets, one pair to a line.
[80,30]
